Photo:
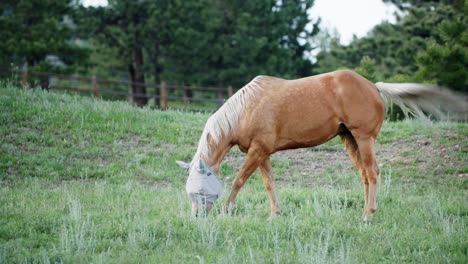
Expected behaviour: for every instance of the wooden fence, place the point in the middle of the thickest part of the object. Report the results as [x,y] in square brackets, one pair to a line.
[163,96]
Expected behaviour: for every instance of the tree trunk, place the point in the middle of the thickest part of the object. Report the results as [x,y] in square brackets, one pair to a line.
[131,71]
[188,93]
[156,71]
[138,78]
[44,80]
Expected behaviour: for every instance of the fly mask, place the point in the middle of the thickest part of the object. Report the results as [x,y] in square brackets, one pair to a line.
[203,186]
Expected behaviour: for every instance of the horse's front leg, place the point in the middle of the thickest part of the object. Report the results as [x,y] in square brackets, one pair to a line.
[266,172]
[255,157]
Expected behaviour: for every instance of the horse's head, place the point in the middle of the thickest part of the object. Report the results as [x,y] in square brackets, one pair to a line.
[203,186]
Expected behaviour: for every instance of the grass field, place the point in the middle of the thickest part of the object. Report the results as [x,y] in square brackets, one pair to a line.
[90,181]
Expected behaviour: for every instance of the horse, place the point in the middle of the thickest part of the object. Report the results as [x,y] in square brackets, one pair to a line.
[271,114]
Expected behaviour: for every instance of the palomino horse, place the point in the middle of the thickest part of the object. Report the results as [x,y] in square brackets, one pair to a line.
[271,114]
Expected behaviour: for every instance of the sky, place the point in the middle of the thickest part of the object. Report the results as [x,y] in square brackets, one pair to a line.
[348,17]
[351,17]
[94,2]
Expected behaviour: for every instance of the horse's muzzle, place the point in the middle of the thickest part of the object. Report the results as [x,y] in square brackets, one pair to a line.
[202,204]
[201,210]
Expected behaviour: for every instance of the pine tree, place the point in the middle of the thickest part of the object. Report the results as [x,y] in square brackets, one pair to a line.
[120,25]
[428,44]
[445,58]
[34,31]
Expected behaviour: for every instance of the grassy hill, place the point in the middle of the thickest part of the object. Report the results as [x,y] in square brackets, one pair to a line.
[85,180]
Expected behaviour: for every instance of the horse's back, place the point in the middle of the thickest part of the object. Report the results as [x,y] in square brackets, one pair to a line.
[309,111]
[341,94]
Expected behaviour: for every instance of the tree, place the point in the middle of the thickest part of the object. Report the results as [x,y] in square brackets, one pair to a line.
[206,42]
[120,25]
[226,43]
[445,58]
[147,36]
[247,38]
[34,31]
[179,36]
[428,44]
[408,4]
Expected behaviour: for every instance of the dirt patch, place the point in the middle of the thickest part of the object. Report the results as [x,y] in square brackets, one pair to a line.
[315,164]
[310,161]
[404,151]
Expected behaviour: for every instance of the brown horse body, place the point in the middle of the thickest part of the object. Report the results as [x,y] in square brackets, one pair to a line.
[272,114]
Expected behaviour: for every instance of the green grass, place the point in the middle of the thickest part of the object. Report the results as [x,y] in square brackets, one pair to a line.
[90,181]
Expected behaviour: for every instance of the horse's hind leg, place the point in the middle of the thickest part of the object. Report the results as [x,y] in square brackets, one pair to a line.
[361,152]
[266,172]
[369,171]
[255,157]
[353,152]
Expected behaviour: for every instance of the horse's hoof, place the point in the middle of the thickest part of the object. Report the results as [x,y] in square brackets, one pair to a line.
[368,218]
[274,215]
[228,209]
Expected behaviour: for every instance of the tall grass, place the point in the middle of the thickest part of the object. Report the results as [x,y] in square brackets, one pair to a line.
[88,181]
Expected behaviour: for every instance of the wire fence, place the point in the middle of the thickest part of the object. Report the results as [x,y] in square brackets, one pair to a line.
[161,95]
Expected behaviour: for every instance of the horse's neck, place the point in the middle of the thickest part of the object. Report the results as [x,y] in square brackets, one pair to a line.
[216,152]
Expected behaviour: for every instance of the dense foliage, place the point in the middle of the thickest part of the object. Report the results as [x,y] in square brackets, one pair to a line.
[207,42]
[428,44]
[226,43]
[39,33]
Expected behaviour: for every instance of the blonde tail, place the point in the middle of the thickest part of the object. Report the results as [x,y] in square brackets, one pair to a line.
[424,101]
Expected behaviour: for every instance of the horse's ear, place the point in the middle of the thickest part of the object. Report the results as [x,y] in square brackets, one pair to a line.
[182,164]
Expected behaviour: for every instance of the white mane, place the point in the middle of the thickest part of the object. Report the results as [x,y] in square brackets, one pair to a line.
[226,119]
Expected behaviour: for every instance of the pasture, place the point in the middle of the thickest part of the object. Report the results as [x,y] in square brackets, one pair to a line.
[90,181]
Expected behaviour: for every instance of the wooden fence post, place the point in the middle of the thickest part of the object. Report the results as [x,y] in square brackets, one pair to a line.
[95,87]
[25,77]
[219,98]
[157,95]
[230,91]
[163,96]
[186,91]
